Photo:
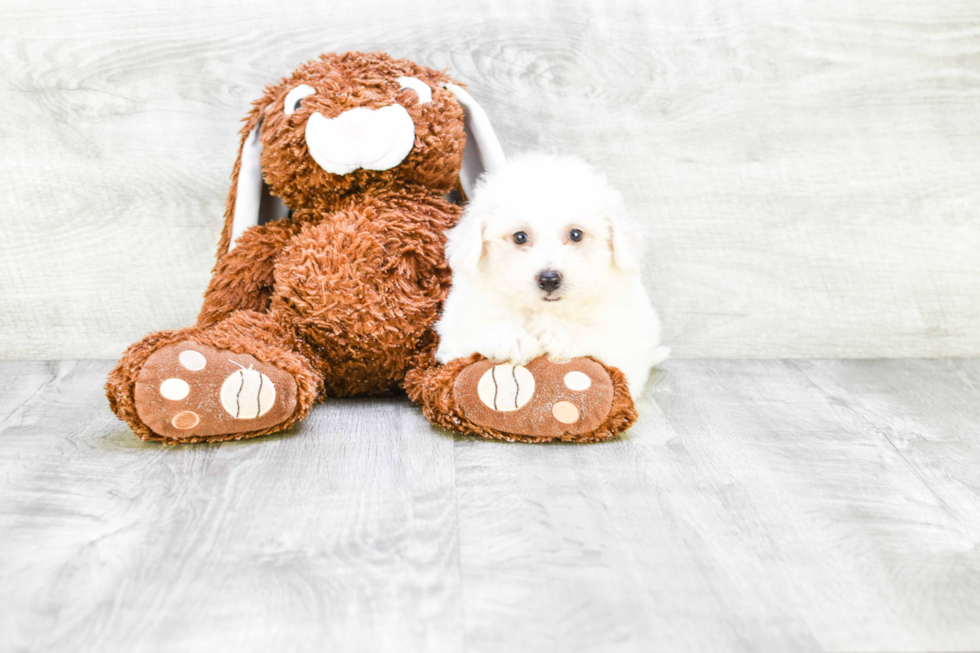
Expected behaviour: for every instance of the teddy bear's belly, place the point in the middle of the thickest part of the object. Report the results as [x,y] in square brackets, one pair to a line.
[366,312]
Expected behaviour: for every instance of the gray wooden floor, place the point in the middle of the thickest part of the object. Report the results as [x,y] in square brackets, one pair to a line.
[757,505]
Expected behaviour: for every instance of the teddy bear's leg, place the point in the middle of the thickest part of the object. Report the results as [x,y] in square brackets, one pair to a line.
[580,400]
[245,376]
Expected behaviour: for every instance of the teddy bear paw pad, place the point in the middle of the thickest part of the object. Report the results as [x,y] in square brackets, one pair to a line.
[188,390]
[543,400]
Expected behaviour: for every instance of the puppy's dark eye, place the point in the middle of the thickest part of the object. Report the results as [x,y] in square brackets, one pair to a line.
[575,235]
[520,238]
[298,104]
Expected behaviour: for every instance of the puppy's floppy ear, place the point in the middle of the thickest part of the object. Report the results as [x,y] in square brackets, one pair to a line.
[625,236]
[483,152]
[249,201]
[464,245]
[626,249]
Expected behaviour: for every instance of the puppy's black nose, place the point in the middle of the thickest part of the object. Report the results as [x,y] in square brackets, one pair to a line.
[549,280]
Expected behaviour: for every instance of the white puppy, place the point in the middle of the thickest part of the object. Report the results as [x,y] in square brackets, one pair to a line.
[546,260]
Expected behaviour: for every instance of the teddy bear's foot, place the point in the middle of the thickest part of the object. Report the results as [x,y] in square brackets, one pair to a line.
[543,400]
[580,400]
[187,390]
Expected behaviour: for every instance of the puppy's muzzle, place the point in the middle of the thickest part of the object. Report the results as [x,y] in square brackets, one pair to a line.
[549,280]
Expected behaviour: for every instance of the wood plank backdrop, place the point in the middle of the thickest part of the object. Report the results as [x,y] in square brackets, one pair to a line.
[809,171]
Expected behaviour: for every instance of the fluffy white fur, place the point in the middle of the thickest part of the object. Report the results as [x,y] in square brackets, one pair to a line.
[496,307]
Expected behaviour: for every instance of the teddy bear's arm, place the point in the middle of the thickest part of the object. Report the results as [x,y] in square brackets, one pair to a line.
[243,278]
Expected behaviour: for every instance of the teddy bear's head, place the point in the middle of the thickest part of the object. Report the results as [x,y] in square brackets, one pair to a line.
[347,123]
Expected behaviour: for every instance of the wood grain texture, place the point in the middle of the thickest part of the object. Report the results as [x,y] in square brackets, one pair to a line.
[756,505]
[768,506]
[809,172]
[322,537]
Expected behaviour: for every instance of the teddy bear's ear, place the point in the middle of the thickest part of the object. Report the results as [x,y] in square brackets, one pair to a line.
[249,201]
[483,152]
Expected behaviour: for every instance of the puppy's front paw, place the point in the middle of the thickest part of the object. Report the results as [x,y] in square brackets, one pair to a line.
[558,346]
[508,342]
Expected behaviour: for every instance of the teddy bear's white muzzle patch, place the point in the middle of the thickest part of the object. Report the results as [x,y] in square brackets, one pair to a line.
[361,138]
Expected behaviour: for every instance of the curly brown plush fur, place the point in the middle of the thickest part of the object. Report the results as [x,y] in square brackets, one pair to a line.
[343,294]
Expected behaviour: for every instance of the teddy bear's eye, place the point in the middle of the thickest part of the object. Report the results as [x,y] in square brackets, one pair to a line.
[294,99]
[575,235]
[520,238]
[421,88]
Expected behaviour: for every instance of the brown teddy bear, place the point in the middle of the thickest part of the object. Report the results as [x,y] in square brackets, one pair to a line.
[336,295]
